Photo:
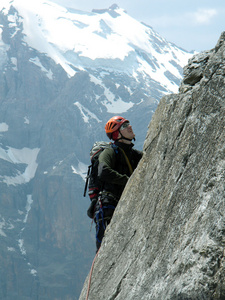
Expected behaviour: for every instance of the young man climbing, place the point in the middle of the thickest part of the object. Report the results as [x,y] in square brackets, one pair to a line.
[116,165]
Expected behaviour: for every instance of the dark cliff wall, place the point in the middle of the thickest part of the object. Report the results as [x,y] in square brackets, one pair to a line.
[167,237]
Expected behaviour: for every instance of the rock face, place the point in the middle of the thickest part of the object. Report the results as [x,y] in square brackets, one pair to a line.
[167,237]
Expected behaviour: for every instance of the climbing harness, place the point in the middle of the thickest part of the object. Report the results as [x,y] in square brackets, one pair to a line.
[100,217]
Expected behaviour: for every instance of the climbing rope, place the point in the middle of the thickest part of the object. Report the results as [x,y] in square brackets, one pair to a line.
[89,281]
[127,161]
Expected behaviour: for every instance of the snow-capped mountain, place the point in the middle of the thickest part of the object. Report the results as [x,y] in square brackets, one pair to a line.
[107,38]
[63,74]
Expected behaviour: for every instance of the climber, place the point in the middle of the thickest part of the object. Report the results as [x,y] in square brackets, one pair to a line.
[116,164]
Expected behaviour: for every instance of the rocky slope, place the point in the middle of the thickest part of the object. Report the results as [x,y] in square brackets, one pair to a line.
[167,237]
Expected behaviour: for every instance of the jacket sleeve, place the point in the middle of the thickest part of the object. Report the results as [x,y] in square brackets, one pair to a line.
[106,168]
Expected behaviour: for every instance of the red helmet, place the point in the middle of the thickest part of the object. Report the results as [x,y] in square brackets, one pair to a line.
[113,125]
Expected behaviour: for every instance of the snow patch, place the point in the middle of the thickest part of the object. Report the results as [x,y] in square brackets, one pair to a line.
[14,62]
[21,246]
[86,113]
[38,63]
[12,19]
[20,156]
[3,49]
[112,104]
[5,5]
[158,74]
[33,272]
[95,80]
[80,169]
[28,207]
[116,106]
[128,89]
[11,249]
[2,226]
[26,120]
[5,225]
[4,127]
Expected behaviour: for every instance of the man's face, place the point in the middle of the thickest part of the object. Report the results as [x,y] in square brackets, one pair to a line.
[127,131]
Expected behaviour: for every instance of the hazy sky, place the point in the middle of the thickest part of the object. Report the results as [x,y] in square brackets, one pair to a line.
[192,25]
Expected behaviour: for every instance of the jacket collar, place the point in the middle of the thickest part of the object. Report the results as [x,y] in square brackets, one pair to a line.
[125,147]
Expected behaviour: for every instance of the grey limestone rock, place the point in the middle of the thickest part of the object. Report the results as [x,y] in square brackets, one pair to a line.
[167,236]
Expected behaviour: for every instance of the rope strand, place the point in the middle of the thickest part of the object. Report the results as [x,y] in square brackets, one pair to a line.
[89,281]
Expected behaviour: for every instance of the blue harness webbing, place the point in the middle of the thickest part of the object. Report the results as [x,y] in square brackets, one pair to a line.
[101,213]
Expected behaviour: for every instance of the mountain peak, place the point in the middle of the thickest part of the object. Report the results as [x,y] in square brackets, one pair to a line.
[114,6]
[111,10]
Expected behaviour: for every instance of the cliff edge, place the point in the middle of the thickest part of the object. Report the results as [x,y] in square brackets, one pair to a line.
[167,236]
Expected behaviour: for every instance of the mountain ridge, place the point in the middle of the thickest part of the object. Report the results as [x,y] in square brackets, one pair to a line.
[72,54]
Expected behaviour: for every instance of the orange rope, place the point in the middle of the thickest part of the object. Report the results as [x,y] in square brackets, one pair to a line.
[89,282]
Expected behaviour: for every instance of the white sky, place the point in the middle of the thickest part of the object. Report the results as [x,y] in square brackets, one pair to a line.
[192,25]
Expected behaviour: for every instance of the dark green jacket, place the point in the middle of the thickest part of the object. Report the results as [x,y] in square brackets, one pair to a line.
[113,169]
